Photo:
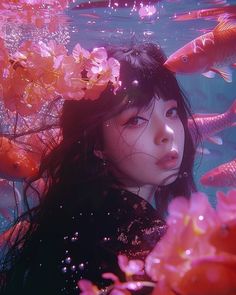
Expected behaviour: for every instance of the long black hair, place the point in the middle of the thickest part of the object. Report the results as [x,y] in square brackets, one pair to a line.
[73,172]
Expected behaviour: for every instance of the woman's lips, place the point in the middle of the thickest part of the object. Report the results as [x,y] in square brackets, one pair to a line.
[169,160]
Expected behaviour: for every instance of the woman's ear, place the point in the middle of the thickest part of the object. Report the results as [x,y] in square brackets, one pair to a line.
[99,154]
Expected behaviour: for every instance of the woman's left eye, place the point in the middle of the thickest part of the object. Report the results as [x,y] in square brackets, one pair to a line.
[172,112]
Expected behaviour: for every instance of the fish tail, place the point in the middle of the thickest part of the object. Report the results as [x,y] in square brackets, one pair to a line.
[232,109]
[232,113]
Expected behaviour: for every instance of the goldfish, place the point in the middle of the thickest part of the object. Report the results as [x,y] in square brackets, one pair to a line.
[209,124]
[90,15]
[16,162]
[210,53]
[222,176]
[114,3]
[209,13]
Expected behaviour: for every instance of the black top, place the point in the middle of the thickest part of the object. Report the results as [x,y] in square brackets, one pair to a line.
[122,223]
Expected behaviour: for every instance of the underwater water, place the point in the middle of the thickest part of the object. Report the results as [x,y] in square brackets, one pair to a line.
[115,24]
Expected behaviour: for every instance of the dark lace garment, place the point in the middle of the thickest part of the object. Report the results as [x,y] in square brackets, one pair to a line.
[122,223]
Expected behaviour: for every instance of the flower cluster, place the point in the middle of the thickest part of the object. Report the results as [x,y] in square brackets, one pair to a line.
[196,256]
[130,268]
[40,72]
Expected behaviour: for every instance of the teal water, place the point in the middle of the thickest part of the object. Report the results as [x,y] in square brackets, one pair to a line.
[206,95]
[96,27]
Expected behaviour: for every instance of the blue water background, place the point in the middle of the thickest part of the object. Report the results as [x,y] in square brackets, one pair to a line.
[119,26]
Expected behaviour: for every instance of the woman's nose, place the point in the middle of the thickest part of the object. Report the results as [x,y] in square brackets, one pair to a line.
[164,134]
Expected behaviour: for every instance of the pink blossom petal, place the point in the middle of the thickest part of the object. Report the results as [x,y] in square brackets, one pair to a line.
[99,54]
[123,262]
[147,10]
[130,267]
[110,276]
[116,291]
[85,285]
[226,205]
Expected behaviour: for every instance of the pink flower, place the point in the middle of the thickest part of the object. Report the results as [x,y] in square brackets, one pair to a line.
[226,205]
[190,221]
[80,54]
[40,72]
[97,64]
[87,288]
[98,55]
[197,210]
[120,288]
[120,292]
[147,10]
[130,267]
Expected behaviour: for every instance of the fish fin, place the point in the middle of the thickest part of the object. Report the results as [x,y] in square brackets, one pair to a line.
[225,25]
[224,17]
[224,72]
[204,115]
[234,65]
[203,151]
[232,109]
[209,74]
[215,139]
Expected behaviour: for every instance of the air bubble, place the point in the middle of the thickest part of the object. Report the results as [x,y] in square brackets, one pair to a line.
[68,260]
[81,266]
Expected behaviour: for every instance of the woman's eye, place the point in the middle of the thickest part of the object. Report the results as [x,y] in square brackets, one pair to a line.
[135,121]
[172,112]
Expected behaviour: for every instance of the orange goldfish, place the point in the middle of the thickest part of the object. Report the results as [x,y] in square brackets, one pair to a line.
[15,162]
[221,176]
[113,3]
[213,52]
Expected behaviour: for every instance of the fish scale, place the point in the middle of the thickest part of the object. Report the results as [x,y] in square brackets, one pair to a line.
[229,172]
[222,176]
[210,124]
[225,48]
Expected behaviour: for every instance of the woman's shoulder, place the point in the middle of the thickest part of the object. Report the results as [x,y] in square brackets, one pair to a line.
[130,224]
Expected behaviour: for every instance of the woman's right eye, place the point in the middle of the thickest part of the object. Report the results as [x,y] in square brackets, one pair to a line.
[135,121]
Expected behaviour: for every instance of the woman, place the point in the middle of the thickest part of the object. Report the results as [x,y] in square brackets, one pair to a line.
[122,158]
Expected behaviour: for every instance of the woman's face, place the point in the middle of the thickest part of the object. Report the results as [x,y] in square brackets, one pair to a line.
[145,146]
